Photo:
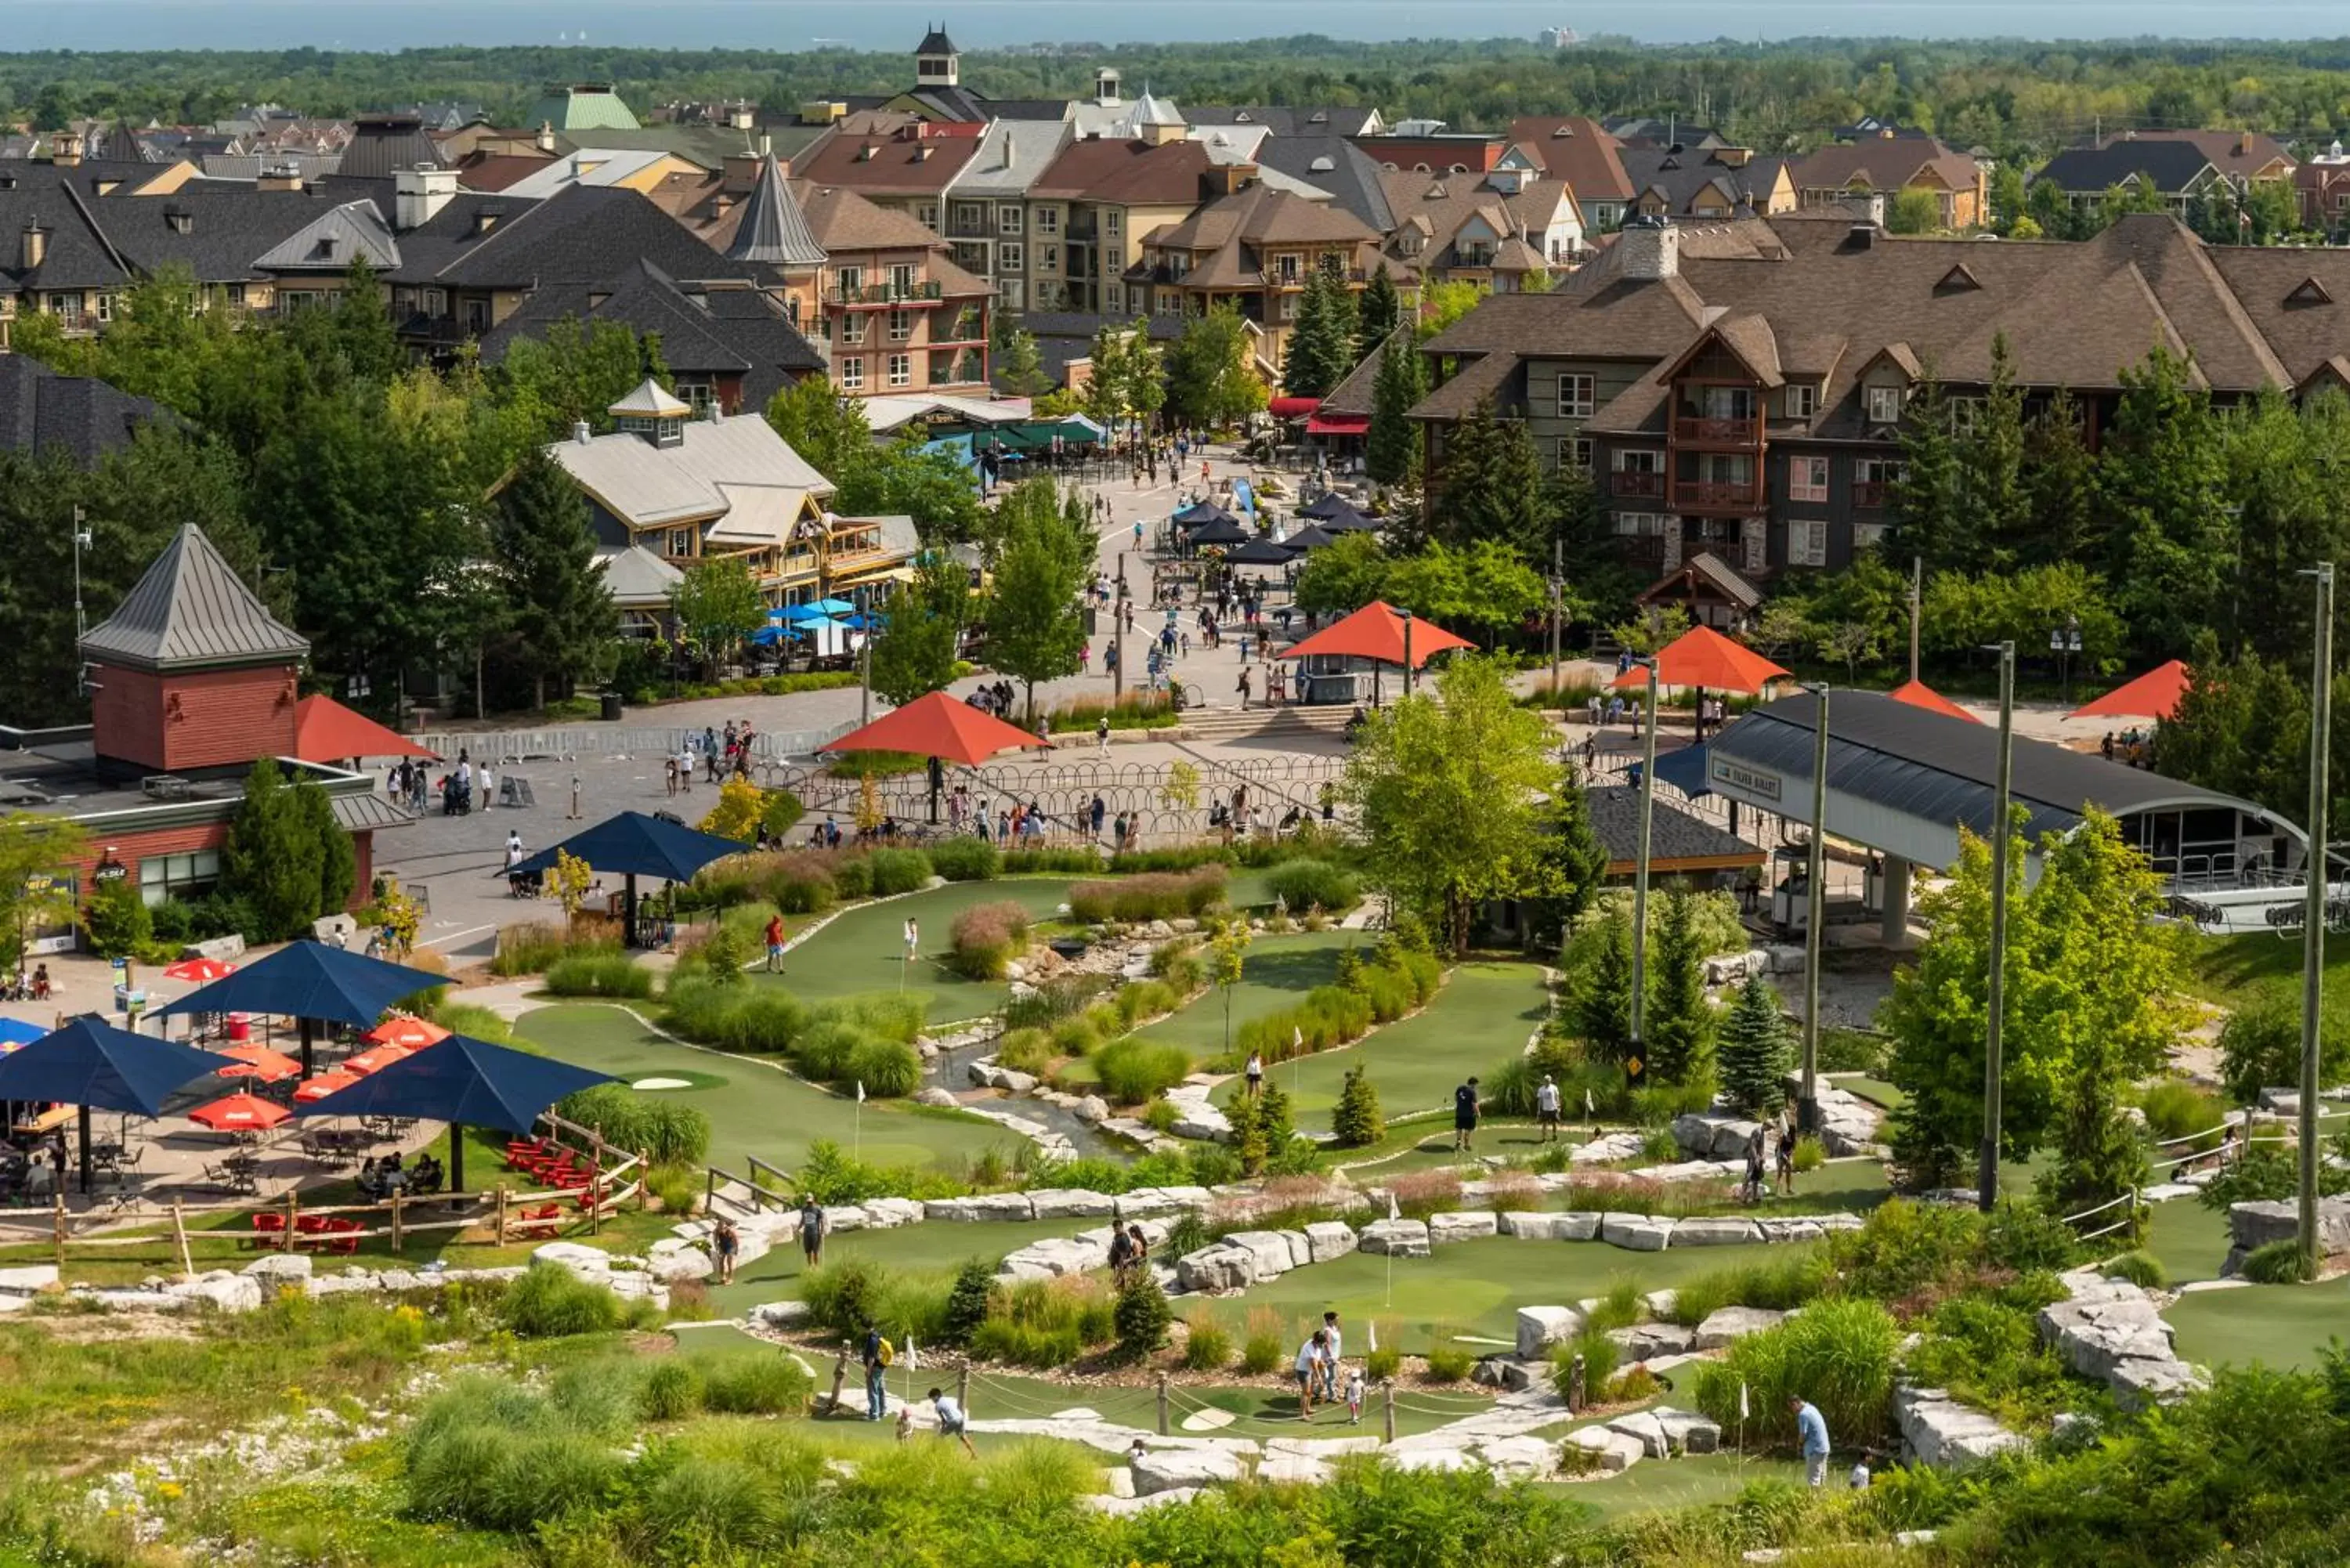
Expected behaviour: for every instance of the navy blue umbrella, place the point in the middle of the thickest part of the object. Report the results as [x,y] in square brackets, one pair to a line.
[466,1082]
[1344,519]
[1258,553]
[633,845]
[93,1065]
[1310,537]
[1330,504]
[1225,532]
[1201,513]
[306,981]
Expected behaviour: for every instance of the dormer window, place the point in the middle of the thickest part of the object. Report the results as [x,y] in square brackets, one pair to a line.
[1958,280]
[485,221]
[180,221]
[2311,292]
[1885,405]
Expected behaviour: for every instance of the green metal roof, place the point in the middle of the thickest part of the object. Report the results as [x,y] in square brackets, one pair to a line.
[582,108]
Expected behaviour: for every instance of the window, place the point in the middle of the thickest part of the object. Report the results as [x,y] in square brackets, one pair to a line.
[928,212]
[106,307]
[477,316]
[1802,399]
[852,374]
[941,368]
[1048,258]
[972,255]
[1007,218]
[902,326]
[436,302]
[1867,535]
[1112,218]
[1807,478]
[1640,524]
[1877,471]
[678,542]
[66,308]
[697,395]
[1116,299]
[852,326]
[970,217]
[1288,307]
[1807,544]
[901,280]
[901,369]
[1048,220]
[1964,413]
[1287,269]
[191,875]
[1010,256]
[1640,460]
[1013,292]
[237,296]
[1884,405]
[852,281]
[1170,302]
[1576,394]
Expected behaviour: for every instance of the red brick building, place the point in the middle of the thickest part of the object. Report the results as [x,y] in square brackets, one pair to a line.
[192,681]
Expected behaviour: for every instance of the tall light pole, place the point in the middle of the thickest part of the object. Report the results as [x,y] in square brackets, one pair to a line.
[1815,906]
[1640,859]
[80,543]
[1407,652]
[1995,1022]
[864,654]
[1557,606]
[2313,935]
[1118,632]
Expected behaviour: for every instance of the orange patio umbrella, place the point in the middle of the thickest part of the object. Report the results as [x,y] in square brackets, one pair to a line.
[202,971]
[1917,694]
[325,731]
[411,1033]
[325,1083]
[239,1113]
[938,726]
[2153,695]
[260,1064]
[376,1058]
[1703,657]
[1376,631]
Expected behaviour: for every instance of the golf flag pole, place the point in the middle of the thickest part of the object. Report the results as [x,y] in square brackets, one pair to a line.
[858,1126]
[1297,1050]
[910,1369]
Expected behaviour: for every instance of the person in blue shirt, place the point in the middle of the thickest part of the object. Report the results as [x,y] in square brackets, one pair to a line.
[1811,1429]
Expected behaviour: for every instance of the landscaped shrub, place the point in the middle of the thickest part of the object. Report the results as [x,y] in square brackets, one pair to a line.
[1063,996]
[1303,885]
[1356,1119]
[893,1015]
[829,1046]
[1986,1349]
[965,859]
[1207,1344]
[552,1302]
[1381,1366]
[898,870]
[1139,1001]
[1134,1069]
[671,1391]
[2175,1109]
[1152,895]
[756,1385]
[1261,1350]
[679,1187]
[1420,1193]
[1045,1323]
[1446,1362]
[845,1295]
[1777,1285]
[1026,1050]
[1141,1315]
[889,1069]
[599,974]
[1179,963]
[529,948]
[670,1131]
[762,1020]
[1599,1353]
[471,1020]
[984,939]
[967,1300]
[496,1455]
[1851,1051]
[1838,1354]
[2276,1263]
[2259,1048]
[852,877]
[2143,1270]
[1076,1036]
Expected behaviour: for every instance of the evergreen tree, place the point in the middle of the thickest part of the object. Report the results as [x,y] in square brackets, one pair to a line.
[338,860]
[1991,469]
[1321,341]
[1680,1024]
[2099,1155]
[2161,488]
[1931,515]
[116,922]
[556,600]
[272,859]
[914,652]
[1145,370]
[1018,368]
[2060,484]
[1247,1138]
[967,1300]
[1356,1119]
[1141,1315]
[1392,446]
[1603,1000]
[1273,1119]
[1377,314]
[1492,485]
[1106,399]
[1573,864]
[1757,1050]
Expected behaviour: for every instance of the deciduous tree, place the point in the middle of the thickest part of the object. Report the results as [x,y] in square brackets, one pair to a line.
[914,653]
[718,606]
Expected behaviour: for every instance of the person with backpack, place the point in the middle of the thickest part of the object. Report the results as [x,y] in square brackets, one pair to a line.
[876,1354]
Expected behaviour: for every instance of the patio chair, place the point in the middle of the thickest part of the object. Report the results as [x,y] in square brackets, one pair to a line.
[543,1220]
[268,1233]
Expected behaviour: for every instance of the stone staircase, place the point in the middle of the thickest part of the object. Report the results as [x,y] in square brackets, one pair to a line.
[1239,724]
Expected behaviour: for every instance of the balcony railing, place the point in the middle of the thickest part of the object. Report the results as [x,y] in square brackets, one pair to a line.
[887,293]
[1632,482]
[1868,494]
[1737,493]
[970,229]
[1747,432]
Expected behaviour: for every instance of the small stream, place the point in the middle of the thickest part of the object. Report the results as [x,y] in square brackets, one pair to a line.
[946,1071]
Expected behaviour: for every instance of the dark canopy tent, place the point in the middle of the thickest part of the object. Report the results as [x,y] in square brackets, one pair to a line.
[1312,537]
[1199,513]
[92,1065]
[1226,532]
[1259,552]
[1330,504]
[633,845]
[466,1083]
[1345,519]
[310,981]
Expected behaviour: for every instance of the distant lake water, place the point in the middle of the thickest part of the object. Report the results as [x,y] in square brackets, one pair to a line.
[897,24]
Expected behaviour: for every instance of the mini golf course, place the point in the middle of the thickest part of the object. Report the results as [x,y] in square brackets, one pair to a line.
[755,1107]
[2279,1327]
[929,1249]
[859,950]
[1276,974]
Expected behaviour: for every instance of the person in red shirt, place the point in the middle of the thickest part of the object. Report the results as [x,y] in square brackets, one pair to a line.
[775,943]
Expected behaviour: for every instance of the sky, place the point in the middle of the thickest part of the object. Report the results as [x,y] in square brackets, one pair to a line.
[895,25]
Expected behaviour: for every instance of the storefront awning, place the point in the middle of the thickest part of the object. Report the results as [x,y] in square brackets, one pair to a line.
[1338,424]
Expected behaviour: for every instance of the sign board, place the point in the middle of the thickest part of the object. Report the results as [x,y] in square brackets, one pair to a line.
[1738,776]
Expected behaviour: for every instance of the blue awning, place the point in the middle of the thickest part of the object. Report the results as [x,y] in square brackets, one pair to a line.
[91,1063]
[1684,769]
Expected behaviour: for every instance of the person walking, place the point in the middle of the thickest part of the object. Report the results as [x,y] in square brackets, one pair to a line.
[952,1420]
[774,944]
[1354,1396]
[1095,812]
[1812,1427]
[1786,1164]
[913,939]
[1464,1116]
[1546,1109]
[730,1242]
[669,776]
[814,1227]
[1101,734]
[1750,1189]
[489,787]
[1242,686]
[876,1354]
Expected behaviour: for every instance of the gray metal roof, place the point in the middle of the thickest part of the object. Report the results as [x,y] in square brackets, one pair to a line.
[191,611]
[773,230]
[341,233]
[1940,770]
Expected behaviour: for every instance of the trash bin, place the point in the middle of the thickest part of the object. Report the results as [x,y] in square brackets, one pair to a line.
[611,712]
[240,1028]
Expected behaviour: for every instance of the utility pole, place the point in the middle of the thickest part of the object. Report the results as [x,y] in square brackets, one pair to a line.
[1640,861]
[80,543]
[1816,904]
[1995,1027]
[2313,935]
[1917,598]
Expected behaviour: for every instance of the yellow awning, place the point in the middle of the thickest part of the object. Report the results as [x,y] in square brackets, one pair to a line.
[896,573]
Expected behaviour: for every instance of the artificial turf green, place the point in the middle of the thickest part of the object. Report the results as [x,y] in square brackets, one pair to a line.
[1277,973]
[931,1248]
[755,1107]
[1691,1482]
[1480,1019]
[2279,1326]
[2189,1240]
[859,949]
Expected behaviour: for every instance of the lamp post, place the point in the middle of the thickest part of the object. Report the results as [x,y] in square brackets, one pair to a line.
[2066,641]
[1995,1002]
[80,543]
[1641,862]
[2313,935]
[864,654]
[1407,652]
[1118,634]
[1815,878]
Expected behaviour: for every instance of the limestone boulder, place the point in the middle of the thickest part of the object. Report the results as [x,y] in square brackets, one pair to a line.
[1644,1425]
[1437,1456]
[1269,1249]
[1580,1225]
[779,1314]
[1686,1431]
[586,1261]
[224,1290]
[1943,1433]
[936,1095]
[889,1213]
[1734,1322]
[1002,1206]
[1466,1226]
[2252,1225]
[2095,1332]
[1217,1268]
[1540,1328]
[1614,1451]
[1329,1239]
[1397,1238]
[1643,1341]
[1637,1232]
[1519,1458]
[1071,1203]
[1092,1109]
[1717,1232]
[1294,1469]
[1167,1470]
[273,1270]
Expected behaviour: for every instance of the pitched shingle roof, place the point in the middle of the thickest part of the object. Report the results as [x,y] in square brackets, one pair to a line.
[1885,162]
[2172,166]
[191,612]
[1573,148]
[40,409]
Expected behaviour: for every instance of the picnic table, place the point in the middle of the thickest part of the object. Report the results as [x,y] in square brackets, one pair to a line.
[48,1121]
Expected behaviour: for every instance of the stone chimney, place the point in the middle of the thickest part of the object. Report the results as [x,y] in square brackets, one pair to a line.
[35,246]
[1650,248]
[546,136]
[285,177]
[418,193]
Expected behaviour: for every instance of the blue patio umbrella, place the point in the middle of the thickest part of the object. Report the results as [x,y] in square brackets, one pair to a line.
[15,1032]
[1225,532]
[92,1065]
[1258,553]
[632,845]
[768,635]
[466,1082]
[308,980]
[1344,519]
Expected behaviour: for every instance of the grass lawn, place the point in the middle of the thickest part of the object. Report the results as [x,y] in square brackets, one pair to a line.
[1468,1288]
[858,951]
[1691,1482]
[2281,1326]
[1875,1091]
[2232,970]
[1477,1021]
[754,1108]
[2190,1240]
[1277,973]
[933,1248]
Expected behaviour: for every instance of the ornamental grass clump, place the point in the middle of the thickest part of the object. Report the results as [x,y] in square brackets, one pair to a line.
[984,939]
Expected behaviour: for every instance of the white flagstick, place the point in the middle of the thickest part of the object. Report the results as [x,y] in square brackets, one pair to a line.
[857,1135]
[909,1368]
